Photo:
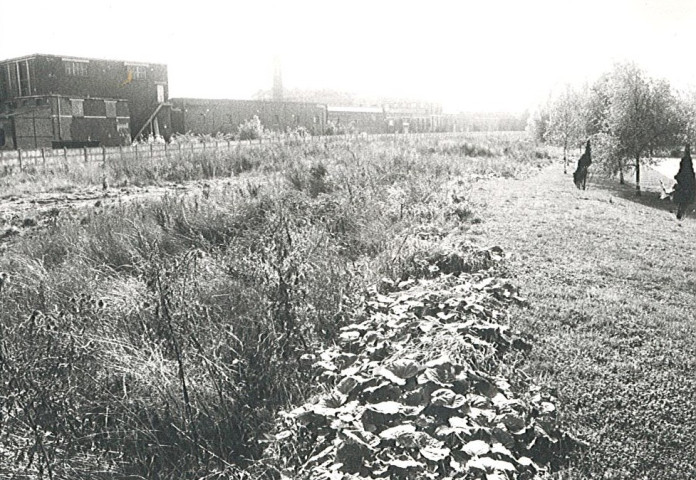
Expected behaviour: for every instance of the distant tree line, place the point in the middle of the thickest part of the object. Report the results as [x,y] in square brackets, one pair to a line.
[628,115]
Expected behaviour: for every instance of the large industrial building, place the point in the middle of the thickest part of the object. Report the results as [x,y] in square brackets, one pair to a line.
[53,101]
[49,101]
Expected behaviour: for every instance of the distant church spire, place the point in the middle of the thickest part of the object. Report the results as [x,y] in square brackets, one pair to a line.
[277,80]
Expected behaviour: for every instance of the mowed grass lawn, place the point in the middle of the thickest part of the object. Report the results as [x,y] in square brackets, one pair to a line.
[612,293]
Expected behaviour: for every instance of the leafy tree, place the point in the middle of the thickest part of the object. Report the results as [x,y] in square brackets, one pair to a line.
[538,122]
[687,106]
[643,114]
[566,125]
[607,156]
[597,103]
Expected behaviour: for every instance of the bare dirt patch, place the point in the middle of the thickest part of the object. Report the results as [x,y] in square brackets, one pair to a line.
[22,215]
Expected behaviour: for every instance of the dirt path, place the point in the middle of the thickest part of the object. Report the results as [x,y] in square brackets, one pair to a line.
[611,284]
[24,214]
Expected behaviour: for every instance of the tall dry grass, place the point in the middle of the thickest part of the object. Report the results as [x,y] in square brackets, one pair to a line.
[159,339]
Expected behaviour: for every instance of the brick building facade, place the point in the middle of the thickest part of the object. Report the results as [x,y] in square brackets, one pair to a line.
[53,101]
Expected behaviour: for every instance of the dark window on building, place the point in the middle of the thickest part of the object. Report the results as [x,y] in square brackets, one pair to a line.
[24,87]
[2,137]
[3,84]
[40,101]
[93,107]
[110,109]
[75,68]
[122,109]
[78,107]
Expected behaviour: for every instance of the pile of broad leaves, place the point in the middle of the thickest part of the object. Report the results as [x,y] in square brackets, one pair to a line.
[421,387]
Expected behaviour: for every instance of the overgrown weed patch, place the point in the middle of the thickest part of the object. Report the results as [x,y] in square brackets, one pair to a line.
[160,339]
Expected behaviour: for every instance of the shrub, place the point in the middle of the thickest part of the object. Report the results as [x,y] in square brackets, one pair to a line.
[251,129]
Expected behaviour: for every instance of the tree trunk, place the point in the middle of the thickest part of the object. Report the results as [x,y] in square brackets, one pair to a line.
[638,175]
[621,175]
[565,158]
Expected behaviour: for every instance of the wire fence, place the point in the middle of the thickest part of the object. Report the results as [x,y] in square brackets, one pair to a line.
[45,159]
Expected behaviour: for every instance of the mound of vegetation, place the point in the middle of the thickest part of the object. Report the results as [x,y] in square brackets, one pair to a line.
[420,386]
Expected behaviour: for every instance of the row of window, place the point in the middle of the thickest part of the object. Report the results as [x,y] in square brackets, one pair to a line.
[14,77]
[79,68]
[27,102]
[77,106]
[76,69]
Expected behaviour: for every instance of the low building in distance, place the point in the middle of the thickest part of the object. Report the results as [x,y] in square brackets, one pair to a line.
[223,116]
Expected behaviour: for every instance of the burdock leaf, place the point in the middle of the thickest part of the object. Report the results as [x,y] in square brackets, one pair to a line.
[333,400]
[396,432]
[439,376]
[389,375]
[405,463]
[445,397]
[435,454]
[388,408]
[476,448]
[459,422]
[404,368]
[349,336]
[514,424]
[346,385]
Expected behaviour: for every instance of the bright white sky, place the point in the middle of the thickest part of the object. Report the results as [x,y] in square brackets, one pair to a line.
[471,55]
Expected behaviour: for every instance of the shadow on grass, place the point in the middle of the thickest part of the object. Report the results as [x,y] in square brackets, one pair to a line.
[650,190]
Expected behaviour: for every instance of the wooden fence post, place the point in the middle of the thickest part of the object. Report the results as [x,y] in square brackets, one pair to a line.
[103,156]
[86,155]
[120,153]
[19,157]
[152,154]
[43,159]
[136,152]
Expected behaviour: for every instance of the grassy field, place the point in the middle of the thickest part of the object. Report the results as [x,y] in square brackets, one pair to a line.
[610,280]
[158,338]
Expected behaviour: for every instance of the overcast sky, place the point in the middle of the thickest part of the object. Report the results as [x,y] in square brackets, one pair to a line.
[469,55]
